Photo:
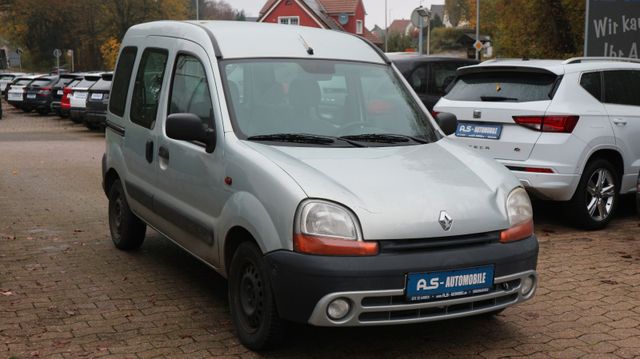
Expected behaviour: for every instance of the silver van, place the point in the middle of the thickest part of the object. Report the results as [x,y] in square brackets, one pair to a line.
[297,163]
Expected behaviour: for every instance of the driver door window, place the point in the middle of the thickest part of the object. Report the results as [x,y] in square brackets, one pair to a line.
[190,90]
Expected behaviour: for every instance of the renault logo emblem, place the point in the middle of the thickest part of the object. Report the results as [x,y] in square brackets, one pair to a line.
[477,113]
[445,220]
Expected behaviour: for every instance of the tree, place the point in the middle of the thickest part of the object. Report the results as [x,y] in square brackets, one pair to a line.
[456,11]
[399,42]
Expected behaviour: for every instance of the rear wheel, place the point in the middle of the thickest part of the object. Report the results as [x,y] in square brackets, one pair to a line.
[596,197]
[127,230]
[253,308]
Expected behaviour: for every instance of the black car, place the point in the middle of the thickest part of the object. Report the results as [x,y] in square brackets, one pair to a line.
[38,94]
[97,102]
[429,76]
[58,90]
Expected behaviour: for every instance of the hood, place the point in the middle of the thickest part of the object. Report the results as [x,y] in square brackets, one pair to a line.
[399,192]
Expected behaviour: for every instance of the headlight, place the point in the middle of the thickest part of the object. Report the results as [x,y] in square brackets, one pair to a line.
[328,228]
[520,216]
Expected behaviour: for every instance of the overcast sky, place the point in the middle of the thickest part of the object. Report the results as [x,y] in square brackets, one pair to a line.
[398,9]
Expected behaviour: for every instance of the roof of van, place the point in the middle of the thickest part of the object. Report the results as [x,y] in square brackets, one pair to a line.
[240,39]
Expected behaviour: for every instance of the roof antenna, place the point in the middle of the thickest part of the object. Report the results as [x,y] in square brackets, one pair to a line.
[306,46]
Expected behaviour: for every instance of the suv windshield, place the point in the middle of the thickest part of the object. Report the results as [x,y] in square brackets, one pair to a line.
[323,101]
[23,82]
[514,86]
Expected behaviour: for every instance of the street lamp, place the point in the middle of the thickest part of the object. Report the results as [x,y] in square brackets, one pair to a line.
[418,17]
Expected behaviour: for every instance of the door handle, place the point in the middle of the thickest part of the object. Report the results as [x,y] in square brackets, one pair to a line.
[163,152]
[149,151]
[619,122]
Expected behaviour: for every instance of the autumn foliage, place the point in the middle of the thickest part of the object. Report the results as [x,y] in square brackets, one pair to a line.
[91,28]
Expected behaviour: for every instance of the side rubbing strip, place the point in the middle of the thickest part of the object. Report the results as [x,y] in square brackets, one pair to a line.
[115,128]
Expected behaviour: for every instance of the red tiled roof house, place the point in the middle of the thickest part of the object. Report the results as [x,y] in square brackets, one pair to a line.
[345,15]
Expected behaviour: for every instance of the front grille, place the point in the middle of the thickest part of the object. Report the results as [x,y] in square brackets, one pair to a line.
[397,308]
[424,244]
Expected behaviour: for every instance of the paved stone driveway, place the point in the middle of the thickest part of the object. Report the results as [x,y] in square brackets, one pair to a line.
[66,292]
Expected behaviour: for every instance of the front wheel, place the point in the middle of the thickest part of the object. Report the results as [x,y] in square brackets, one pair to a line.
[596,197]
[127,230]
[253,308]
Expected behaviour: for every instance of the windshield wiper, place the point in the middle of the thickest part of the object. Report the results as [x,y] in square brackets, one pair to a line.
[301,138]
[497,98]
[383,138]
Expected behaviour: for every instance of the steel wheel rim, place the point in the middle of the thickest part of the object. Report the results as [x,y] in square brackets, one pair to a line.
[251,298]
[116,217]
[600,194]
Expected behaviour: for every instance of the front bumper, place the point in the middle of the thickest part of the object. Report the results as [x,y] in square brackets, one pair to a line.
[304,285]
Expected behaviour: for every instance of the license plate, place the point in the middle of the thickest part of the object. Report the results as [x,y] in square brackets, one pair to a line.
[448,284]
[96,96]
[60,92]
[31,96]
[14,97]
[80,95]
[479,130]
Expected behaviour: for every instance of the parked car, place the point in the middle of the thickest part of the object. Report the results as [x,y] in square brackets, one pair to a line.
[16,92]
[38,94]
[568,129]
[5,79]
[78,97]
[97,102]
[58,91]
[65,101]
[429,76]
[353,214]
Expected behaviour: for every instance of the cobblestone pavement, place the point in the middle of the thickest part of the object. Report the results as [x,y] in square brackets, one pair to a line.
[66,292]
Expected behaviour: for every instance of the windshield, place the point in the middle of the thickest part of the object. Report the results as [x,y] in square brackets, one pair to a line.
[41,82]
[322,98]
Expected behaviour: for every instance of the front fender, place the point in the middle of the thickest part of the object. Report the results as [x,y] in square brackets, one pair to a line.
[246,211]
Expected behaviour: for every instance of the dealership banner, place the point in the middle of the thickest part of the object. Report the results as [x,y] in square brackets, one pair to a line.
[612,28]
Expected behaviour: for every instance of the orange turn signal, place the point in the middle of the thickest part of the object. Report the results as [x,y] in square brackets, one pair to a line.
[519,231]
[305,243]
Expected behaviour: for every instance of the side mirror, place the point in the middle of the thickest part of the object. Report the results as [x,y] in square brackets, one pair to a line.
[188,127]
[447,122]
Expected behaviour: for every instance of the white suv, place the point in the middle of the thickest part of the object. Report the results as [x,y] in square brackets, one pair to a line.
[569,130]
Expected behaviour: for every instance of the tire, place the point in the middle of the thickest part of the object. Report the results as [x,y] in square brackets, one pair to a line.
[596,198]
[127,230]
[251,300]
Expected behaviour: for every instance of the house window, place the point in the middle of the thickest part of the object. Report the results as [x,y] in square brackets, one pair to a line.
[359,26]
[289,20]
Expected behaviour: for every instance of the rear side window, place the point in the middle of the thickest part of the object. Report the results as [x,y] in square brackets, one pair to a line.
[148,85]
[190,90]
[592,82]
[121,80]
[504,86]
[622,87]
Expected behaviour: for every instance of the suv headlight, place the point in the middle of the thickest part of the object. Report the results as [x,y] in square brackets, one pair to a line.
[520,216]
[327,228]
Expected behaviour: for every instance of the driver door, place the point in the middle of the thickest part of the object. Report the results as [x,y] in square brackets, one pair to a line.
[190,180]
